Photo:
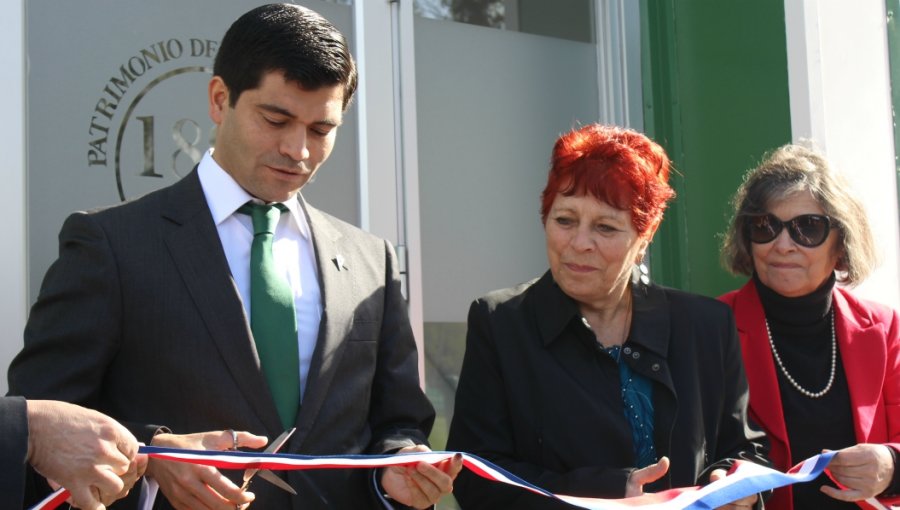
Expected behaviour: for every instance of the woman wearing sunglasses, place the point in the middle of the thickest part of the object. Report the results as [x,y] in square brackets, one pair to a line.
[823,365]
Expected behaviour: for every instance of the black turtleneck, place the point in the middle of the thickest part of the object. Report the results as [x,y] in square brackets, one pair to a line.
[801,332]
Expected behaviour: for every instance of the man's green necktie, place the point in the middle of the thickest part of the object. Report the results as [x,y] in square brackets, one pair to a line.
[272,315]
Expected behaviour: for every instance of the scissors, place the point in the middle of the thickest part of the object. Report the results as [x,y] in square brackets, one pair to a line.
[267,475]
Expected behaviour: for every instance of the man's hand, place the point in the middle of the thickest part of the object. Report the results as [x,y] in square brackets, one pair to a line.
[866,470]
[422,485]
[741,504]
[85,451]
[192,487]
[640,477]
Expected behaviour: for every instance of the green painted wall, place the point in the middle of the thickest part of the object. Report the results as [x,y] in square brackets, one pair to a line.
[893,33]
[716,97]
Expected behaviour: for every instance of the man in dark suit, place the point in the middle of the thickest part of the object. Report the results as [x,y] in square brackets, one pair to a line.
[86,452]
[149,312]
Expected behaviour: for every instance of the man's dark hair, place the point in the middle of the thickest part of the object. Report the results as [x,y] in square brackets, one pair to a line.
[292,39]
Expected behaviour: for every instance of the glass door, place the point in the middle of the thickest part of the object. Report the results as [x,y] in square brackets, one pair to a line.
[496,82]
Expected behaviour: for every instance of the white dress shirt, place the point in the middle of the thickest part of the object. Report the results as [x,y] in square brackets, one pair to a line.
[292,250]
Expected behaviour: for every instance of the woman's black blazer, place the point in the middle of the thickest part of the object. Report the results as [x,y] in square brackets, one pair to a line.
[537,399]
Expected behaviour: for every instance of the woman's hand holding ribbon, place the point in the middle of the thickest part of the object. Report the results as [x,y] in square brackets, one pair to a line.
[741,504]
[645,475]
[865,470]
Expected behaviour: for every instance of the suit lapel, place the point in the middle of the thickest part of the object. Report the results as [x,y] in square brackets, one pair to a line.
[651,328]
[197,252]
[765,397]
[335,280]
[864,358]
[553,311]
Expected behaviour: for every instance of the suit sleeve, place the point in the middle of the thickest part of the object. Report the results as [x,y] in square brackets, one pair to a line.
[400,413]
[482,425]
[891,394]
[74,329]
[891,389]
[738,438]
[13,450]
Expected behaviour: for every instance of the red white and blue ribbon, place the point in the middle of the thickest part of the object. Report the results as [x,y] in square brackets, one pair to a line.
[744,480]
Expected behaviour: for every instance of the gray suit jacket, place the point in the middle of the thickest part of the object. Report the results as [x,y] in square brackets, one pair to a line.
[140,319]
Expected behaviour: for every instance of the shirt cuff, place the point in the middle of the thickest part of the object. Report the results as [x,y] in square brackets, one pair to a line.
[383,497]
[380,493]
[894,488]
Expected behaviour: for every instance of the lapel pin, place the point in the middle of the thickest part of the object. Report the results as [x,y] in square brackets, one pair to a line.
[339,262]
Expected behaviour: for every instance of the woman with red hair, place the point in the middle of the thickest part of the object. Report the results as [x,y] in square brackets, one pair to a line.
[590,380]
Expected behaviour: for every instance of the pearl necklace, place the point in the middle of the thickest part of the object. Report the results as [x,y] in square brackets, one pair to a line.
[791,380]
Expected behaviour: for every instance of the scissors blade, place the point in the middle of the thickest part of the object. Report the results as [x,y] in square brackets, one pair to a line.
[273,447]
[272,478]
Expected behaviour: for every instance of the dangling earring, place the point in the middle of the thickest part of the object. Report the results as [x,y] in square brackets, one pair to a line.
[645,272]
[640,272]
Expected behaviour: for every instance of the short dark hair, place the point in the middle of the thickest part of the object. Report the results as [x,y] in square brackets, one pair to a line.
[292,39]
[797,168]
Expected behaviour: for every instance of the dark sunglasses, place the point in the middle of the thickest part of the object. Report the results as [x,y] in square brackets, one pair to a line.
[809,230]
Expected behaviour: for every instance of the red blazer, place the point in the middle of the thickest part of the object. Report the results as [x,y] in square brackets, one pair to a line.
[869,338]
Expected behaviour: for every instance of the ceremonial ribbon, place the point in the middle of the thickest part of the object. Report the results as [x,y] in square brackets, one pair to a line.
[745,478]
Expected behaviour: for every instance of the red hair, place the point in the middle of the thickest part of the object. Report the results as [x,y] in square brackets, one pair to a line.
[618,166]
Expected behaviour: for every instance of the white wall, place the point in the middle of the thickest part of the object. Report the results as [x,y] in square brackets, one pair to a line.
[840,94]
[387,157]
[12,193]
